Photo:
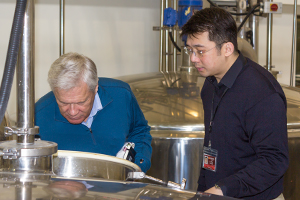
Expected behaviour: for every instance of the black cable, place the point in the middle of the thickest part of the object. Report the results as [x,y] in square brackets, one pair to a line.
[12,54]
[238,13]
[172,39]
[248,15]
[174,82]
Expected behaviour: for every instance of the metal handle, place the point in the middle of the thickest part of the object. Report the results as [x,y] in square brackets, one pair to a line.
[142,175]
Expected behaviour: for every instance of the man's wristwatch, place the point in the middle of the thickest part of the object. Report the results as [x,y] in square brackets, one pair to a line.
[217,187]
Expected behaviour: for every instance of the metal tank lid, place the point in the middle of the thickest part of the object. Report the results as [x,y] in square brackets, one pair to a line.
[171,102]
[83,175]
[88,176]
[85,188]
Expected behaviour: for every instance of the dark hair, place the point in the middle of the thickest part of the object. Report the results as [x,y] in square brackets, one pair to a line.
[219,24]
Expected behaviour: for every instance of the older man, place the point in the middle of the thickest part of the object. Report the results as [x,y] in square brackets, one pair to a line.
[91,114]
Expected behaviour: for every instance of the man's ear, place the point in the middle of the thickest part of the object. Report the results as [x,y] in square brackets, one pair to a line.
[228,48]
[96,89]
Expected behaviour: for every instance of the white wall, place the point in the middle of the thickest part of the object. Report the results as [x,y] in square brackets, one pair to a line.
[118,35]
[281,42]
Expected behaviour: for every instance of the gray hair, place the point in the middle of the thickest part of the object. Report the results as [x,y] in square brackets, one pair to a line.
[70,69]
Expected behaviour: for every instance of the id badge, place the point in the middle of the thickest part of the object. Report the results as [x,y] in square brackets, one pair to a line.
[210,159]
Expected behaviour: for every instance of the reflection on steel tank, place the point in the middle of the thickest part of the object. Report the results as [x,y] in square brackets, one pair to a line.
[4,123]
[83,175]
[76,164]
[173,108]
[171,103]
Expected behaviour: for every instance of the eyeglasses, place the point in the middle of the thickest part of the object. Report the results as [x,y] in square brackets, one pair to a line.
[198,54]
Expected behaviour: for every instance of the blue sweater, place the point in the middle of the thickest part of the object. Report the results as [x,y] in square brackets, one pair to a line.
[121,120]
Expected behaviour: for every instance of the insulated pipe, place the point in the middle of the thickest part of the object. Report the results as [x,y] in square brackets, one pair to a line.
[25,76]
[11,57]
[294,47]
[62,28]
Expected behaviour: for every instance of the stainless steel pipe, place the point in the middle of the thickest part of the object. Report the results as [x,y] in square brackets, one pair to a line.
[26,154]
[62,27]
[241,8]
[25,72]
[23,190]
[269,42]
[161,41]
[175,40]
[167,53]
[253,24]
[166,44]
[294,47]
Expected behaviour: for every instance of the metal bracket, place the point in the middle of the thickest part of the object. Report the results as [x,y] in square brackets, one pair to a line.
[10,154]
[261,8]
[8,131]
[136,175]
[166,28]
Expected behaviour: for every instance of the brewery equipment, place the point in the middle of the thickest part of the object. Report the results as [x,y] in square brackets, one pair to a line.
[24,153]
[27,163]
[85,189]
[175,114]
[170,100]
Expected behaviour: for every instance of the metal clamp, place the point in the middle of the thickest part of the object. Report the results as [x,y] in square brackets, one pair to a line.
[10,154]
[8,131]
[135,175]
[165,28]
[142,175]
[261,8]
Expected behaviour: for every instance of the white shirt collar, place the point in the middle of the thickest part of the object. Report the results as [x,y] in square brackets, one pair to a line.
[96,107]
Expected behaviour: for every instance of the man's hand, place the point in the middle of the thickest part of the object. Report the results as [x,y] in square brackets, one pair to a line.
[214,190]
